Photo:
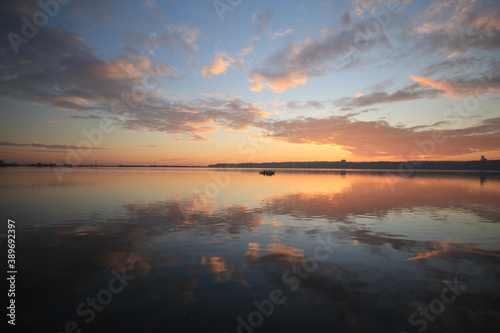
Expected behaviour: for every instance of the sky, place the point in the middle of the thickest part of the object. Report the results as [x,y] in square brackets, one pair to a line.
[170,82]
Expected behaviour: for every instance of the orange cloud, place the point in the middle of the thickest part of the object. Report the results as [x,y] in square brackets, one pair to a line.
[375,139]
[454,89]
[218,66]
[279,83]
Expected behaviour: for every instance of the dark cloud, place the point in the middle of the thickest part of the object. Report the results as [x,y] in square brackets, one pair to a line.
[189,120]
[44,146]
[409,93]
[455,30]
[345,19]
[57,68]
[47,151]
[91,117]
[263,21]
[12,144]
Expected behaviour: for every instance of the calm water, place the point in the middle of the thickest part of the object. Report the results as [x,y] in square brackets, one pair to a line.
[206,250]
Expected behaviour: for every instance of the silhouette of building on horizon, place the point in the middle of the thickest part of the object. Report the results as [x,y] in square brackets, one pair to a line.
[483,159]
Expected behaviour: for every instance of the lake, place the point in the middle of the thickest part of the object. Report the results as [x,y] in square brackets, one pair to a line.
[216,250]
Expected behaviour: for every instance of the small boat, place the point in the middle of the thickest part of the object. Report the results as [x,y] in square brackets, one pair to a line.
[267,172]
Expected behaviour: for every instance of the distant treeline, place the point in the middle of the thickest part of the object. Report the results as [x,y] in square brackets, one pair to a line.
[407,165]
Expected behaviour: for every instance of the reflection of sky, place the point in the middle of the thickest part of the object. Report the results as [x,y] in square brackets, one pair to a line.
[193,256]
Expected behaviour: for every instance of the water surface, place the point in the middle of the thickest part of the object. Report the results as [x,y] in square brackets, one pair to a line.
[345,251]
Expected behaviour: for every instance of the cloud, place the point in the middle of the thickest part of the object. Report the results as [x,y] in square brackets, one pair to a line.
[294,63]
[175,159]
[46,151]
[308,104]
[439,29]
[279,33]
[362,6]
[149,3]
[458,89]
[246,51]
[12,144]
[188,37]
[277,82]
[184,36]
[219,65]
[345,19]
[64,147]
[58,69]
[190,120]
[376,139]
[92,117]
[45,146]
[262,21]
[222,62]
[151,146]
[409,93]
[455,27]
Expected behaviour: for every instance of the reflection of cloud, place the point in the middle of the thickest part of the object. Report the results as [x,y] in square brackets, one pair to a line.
[439,249]
[162,244]
[275,250]
[363,198]
[194,215]
[218,267]
[215,264]
[128,261]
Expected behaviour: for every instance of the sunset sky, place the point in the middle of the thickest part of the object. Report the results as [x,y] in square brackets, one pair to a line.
[201,82]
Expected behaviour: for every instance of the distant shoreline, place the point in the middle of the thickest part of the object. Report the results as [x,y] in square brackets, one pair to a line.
[405,166]
[382,165]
